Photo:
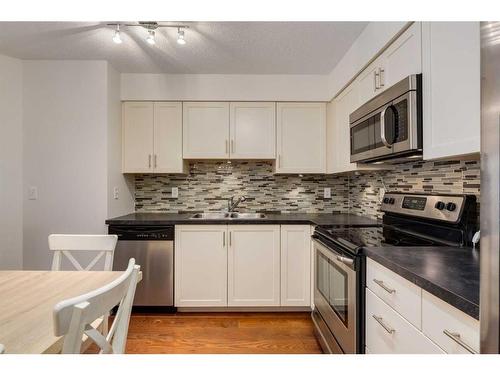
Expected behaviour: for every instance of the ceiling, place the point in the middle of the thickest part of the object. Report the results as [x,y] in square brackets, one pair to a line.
[212,47]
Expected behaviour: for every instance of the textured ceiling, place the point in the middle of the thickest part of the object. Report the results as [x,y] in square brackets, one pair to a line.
[212,47]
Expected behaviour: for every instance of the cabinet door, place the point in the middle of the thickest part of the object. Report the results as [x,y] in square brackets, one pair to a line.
[253,130]
[402,58]
[295,265]
[254,265]
[168,138]
[200,265]
[137,137]
[345,103]
[451,89]
[301,138]
[368,83]
[205,130]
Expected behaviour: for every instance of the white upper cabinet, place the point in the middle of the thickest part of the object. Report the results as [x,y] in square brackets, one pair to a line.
[152,137]
[451,84]
[137,137]
[254,265]
[402,58]
[253,130]
[167,157]
[301,138]
[205,130]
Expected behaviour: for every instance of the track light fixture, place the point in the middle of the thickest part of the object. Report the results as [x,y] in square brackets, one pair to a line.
[151,27]
[180,36]
[117,37]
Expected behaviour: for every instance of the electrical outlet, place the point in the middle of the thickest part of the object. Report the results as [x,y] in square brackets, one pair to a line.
[327,193]
[33,193]
[175,192]
[116,192]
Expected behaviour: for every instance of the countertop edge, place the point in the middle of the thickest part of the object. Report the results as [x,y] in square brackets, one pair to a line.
[460,303]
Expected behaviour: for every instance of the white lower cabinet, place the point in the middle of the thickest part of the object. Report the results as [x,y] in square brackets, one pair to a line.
[453,330]
[295,265]
[200,265]
[253,273]
[387,332]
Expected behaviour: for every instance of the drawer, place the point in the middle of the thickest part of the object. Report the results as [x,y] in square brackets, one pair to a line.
[391,333]
[402,295]
[439,316]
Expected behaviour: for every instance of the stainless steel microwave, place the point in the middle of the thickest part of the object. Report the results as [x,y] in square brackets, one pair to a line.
[389,126]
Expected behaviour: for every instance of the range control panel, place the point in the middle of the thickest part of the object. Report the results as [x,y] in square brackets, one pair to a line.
[438,207]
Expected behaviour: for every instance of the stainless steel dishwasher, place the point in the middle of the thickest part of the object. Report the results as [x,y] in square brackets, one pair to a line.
[153,249]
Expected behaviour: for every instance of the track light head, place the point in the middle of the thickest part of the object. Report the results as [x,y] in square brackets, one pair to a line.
[151,37]
[117,36]
[180,36]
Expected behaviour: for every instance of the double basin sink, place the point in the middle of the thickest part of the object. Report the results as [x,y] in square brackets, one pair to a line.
[228,215]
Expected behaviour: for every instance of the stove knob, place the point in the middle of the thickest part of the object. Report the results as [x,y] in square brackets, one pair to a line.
[386,200]
[451,206]
[391,200]
[440,205]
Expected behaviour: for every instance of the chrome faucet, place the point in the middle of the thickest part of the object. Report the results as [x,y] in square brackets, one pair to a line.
[231,204]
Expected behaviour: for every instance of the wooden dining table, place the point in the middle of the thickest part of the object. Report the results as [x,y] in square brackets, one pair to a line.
[27,299]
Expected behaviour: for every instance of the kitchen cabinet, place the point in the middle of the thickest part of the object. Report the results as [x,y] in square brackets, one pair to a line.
[296,265]
[205,130]
[400,59]
[451,89]
[200,265]
[301,138]
[252,130]
[403,318]
[152,137]
[253,273]
[137,137]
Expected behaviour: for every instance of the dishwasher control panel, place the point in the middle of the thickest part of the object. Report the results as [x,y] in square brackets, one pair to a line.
[143,233]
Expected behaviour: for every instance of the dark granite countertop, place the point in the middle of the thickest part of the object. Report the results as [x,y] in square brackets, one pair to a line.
[159,218]
[449,273]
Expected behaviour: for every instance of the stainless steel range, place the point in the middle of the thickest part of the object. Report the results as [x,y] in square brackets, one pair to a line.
[339,264]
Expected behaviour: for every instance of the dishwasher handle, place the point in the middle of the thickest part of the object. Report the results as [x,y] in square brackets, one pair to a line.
[143,232]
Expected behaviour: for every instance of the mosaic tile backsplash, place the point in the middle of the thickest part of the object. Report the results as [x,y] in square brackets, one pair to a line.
[210,183]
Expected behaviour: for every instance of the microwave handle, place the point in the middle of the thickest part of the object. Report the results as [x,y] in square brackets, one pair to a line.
[382,128]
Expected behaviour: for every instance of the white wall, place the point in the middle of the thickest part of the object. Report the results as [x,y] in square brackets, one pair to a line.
[125,183]
[373,39]
[224,87]
[11,250]
[65,152]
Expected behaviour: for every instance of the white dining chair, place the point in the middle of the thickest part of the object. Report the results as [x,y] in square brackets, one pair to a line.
[2,349]
[73,317]
[65,244]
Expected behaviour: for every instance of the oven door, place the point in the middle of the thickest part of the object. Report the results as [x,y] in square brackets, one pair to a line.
[366,140]
[335,295]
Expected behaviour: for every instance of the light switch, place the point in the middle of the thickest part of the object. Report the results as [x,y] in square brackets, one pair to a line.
[175,192]
[327,193]
[116,192]
[33,193]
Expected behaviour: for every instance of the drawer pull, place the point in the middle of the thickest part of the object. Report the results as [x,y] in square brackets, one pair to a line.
[456,337]
[381,322]
[381,284]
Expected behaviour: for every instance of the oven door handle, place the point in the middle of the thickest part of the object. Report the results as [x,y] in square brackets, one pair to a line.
[346,261]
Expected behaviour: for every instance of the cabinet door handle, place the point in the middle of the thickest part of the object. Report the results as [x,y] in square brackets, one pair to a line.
[385,326]
[227,149]
[381,75]
[223,239]
[381,284]
[149,161]
[375,84]
[154,161]
[279,160]
[232,146]
[456,337]
[230,238]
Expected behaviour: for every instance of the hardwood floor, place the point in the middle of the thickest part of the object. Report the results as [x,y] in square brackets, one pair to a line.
[217,333]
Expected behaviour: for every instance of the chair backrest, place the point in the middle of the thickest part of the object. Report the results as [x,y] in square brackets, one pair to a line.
[73,317]
[64,244]
[2,349]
